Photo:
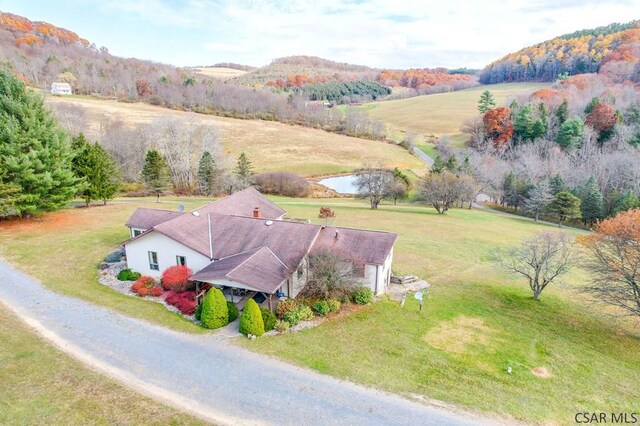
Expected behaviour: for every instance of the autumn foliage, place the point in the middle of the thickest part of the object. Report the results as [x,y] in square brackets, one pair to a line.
[421,78]
[36,32]
[146,286]
[602,118]
[184,301]
[176,278]
[498,126]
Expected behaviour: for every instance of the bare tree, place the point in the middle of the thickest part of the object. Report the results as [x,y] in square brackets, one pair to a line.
[443,190]
[541,259]
[330,275]
[372,183]
[538,199]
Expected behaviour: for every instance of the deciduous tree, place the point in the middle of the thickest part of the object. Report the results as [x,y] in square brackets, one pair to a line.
[372,182]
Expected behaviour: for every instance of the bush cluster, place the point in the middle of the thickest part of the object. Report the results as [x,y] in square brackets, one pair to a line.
[176,278]
[215,313]
[233,311]
[185,301]
[146,286]
[285,306]
[363,296]
[114,256]
[251,321]
[268,318]
[281,326]
[128,275]
[301,313]
[283,183]
[325,307]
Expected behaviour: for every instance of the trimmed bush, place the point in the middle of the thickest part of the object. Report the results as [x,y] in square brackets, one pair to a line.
[114,256]
[233,311]
[281,326]
[215,313]
[155,291]
[334,305]
[184,301]
[363,296]
[251,320]
[285,306]
[268,318]
[142,292]
[128,275]
[145,281]
[322,308]
[176,278]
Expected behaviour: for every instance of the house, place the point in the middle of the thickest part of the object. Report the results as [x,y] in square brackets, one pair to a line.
[61,89]
[242,243]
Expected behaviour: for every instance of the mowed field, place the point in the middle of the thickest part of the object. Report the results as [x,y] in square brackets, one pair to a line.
[41,385]
[566,356]
[441,114]
[271,146]
[220,72]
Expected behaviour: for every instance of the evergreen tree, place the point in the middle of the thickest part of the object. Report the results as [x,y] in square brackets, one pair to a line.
[106,180]
[215,312]
[594,102]
[571,133]
[207,174]
[251,321]
[539,129]
[155,173]
[523,124]
[82,165]
[592,202]
[486,102]
[538,199]
[438,165]
[628,201]
[565,205]
[556,184]
[562,112]
[35,153]
[8,195]
[452,164]
[244,169]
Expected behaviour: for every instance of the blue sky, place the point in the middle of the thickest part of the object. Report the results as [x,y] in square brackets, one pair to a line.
[379,33]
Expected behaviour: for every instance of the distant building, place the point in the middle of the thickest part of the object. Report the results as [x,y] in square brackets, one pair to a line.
[61,89]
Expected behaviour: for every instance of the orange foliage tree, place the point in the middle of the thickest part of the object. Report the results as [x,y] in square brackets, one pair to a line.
[602,119]
[498,127]
[614,263]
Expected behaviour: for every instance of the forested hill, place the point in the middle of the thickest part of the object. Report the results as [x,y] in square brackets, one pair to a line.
[584,51]
[36,33]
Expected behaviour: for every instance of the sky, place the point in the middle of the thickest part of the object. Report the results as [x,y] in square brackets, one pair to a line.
[379,33]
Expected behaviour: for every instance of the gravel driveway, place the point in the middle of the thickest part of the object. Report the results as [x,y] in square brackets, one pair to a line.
[205,374]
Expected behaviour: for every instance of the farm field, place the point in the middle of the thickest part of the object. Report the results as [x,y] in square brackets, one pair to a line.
[475,323]
[271,146]
[441,114]
[41,385]
[220,72]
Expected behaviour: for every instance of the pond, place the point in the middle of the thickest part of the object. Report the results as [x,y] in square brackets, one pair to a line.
[341,184]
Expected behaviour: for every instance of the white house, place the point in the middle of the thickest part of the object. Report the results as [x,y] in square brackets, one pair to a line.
[58,88]
[243,242]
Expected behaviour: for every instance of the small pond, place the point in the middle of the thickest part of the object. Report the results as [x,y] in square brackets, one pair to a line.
[341,184]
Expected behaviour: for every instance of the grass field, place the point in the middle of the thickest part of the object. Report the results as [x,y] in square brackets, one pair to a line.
[220,72]
[40,385]
[271,146]
[441,114]
[565,356]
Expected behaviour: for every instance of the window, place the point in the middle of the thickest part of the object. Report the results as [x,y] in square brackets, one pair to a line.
[181,260]
[136,232]
[153,261]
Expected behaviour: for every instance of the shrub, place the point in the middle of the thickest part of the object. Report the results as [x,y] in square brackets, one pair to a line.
[198,313]
[184,301]
[322,308]
[285,306]
[215,313]
[155,291]
[142,292]
[128,275]
[251,320]
[300,313]
[334,305]
[281,326]
[233,311]
[145,281]
[283,183]
[363,296]
[114,256]
[305,313]
[176,278]
[268,318]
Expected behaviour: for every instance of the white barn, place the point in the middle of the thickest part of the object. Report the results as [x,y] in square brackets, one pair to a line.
[58,88]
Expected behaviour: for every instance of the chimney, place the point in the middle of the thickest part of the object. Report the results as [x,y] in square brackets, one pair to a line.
[256,212]
[337,234]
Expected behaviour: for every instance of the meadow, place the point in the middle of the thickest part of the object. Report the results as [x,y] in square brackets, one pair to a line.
[41,385]
[271,146]
[220,72]
[565,355]
[441,114]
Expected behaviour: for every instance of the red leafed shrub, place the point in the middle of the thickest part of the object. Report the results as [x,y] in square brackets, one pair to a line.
[142,292]
[155,291]
[145,281]
[176,278]
[185,301]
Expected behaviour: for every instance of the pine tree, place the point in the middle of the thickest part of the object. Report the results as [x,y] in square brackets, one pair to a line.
[592,202]
[556,184]
[82,165]
[486,102]
[438,165]
[563,112]
[244,169]
[570,134]
[8,195]
[35,153]
[452,164]
[155,173]
[628,201]
[594,102]
[207,174]
[106,179]
[565,205]
[538,199]
[523,124]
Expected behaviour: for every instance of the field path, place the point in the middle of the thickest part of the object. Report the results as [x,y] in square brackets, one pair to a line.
[204,374]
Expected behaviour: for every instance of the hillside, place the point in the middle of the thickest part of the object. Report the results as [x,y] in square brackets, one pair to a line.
[584,51]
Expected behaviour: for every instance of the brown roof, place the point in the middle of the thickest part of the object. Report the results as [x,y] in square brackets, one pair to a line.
[260,269]
[148,218]
[242,203]
[359,245]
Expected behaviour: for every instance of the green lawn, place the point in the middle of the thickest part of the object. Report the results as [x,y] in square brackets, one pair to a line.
[41,386]
[441,114]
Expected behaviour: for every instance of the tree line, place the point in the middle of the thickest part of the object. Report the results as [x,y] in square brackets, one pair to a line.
[345,92]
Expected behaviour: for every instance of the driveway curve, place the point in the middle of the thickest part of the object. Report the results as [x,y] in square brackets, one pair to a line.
[205,375]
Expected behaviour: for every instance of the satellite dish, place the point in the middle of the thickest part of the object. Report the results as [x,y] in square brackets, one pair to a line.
[196,214]
[269,223]
[181,208]
[418,295]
